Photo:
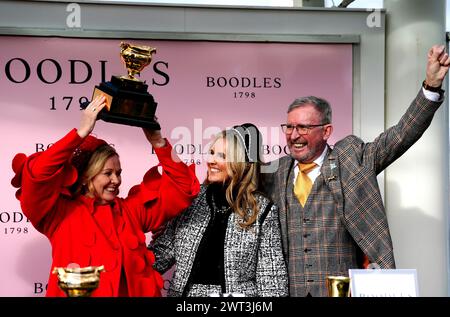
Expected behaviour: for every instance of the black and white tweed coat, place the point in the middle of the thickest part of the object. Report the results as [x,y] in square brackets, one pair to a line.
[254,263]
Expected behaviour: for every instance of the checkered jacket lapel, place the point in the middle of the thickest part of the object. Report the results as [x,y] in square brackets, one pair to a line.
[330,171]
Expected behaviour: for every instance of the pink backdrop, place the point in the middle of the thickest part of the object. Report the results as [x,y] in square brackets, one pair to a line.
[201,88]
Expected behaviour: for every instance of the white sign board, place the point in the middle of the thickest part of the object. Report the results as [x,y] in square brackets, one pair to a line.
[384,283]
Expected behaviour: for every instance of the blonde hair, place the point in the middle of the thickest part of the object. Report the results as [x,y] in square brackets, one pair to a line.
[95,165]
[243,181]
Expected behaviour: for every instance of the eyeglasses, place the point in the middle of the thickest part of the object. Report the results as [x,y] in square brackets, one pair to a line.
[301,129]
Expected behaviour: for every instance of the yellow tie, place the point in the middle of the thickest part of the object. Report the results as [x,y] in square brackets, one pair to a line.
[303,183]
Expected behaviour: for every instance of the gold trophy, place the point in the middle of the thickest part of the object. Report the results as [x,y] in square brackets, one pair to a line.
[78,282]
[338,286]
[127,99]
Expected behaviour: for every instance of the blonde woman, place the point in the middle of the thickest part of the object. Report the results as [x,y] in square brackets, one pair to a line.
[227,243]
[70,194]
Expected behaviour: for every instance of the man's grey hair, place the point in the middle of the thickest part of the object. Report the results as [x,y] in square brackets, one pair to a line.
[321,105]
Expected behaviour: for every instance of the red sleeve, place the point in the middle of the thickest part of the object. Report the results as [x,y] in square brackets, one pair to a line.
[55,156]
[44,176]
[165,196]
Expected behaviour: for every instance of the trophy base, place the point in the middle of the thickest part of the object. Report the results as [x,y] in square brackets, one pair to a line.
[128,103]
[132,121]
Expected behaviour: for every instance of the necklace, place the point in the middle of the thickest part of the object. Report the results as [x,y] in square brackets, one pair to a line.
[222,211]
[216,200]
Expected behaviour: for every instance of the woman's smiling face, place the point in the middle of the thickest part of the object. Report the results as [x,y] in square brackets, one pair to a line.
[217,167]
[107,182]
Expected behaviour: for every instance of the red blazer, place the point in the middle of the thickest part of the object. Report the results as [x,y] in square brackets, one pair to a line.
[82,233]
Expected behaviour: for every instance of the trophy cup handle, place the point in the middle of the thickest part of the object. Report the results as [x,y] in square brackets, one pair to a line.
[99,269]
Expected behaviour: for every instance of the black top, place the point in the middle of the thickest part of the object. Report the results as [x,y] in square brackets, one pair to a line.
[208,266]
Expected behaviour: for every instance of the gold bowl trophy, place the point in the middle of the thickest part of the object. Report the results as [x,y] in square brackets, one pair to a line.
[78,282]
[338,286]
[127,99]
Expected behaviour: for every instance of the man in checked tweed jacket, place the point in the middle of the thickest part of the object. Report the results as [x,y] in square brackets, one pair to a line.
[343,219]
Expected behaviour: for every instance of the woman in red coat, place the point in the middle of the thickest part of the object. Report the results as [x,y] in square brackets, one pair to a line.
[70,193]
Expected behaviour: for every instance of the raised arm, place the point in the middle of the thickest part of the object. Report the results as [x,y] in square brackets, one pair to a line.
[396,140]
[437,66]
[163,196]
[44,176]
[59,153]
[89,116]
[154,137]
